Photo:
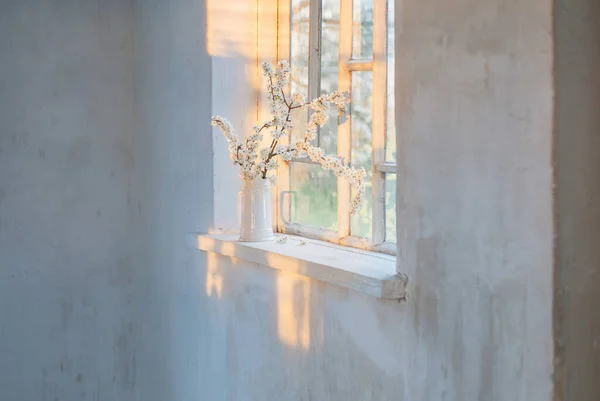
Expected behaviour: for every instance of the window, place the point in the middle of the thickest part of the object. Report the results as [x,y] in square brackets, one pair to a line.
[344,45]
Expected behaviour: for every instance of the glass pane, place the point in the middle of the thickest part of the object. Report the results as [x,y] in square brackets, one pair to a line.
[314,201]
[361,108]
[299,32]
[390,207]
[361,221]
[330,36]
[362,29]
[391,114]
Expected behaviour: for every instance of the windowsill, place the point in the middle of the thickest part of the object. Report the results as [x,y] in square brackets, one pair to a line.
[363,271]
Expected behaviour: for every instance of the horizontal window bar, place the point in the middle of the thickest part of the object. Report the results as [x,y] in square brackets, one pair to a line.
[387,247]
[332,236]
[359,65]
[305,159]
[389,168]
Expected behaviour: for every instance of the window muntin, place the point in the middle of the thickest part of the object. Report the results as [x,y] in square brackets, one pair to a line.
[344,45]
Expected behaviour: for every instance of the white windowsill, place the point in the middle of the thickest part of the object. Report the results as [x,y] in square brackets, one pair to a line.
[363,271]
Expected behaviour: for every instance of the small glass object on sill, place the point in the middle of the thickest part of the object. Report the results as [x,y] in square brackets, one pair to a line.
[254,202]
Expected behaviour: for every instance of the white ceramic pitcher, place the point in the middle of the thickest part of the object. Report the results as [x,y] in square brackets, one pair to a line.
[255,211]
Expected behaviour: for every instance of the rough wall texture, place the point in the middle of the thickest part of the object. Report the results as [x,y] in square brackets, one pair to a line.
[104,169]
[276,336]
[172,92]
[69,201]
[474,118]
[103,172]
[577,152]
[475,191]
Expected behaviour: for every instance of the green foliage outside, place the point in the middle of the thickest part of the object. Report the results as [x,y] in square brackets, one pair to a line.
[315,199]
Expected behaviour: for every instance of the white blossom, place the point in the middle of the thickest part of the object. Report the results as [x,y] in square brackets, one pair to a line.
[319,118]
[264,153]
[271,164]
[277,134]
[298,98]
[256,162]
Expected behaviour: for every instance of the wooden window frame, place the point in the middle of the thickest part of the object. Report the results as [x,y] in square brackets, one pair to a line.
[347,65]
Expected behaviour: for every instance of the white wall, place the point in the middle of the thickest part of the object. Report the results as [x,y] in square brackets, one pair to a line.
[276,336]
[105,166]
[172,91]
[241,35]
[70,203]
[476,236]
[475,217]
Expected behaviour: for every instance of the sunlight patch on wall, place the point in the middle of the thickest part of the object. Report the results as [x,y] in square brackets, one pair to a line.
[214,278]
[293,311]
[231,28]
[239,27]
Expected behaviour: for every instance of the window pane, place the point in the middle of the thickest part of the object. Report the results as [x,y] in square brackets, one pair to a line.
[390,207]
[361,221]
[299,32]
[315,199]
[391,116]
[362,29]
[330,36]
[361,112]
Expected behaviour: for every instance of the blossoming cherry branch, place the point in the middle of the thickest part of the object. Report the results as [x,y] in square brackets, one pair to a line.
[258,163]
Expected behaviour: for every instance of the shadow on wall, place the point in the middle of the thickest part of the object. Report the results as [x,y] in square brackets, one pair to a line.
[266,330]
[292,298]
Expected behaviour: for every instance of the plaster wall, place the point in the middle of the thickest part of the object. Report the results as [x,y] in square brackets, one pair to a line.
[474,131]
[232,42]
[104,169]
[70,204]
[277,336]
[172,116]
[475,120]
[100,298]
[577,160]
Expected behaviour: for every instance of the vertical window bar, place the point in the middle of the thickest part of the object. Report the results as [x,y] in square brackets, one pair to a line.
[379,116]
[314,54]
[283,169]
[344,129]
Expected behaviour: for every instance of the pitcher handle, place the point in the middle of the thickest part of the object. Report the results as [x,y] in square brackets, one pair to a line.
[281,203]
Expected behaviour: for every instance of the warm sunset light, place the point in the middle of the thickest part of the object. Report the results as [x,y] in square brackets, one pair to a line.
[293,310]
[214,278]
[299,200]
[233,29]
